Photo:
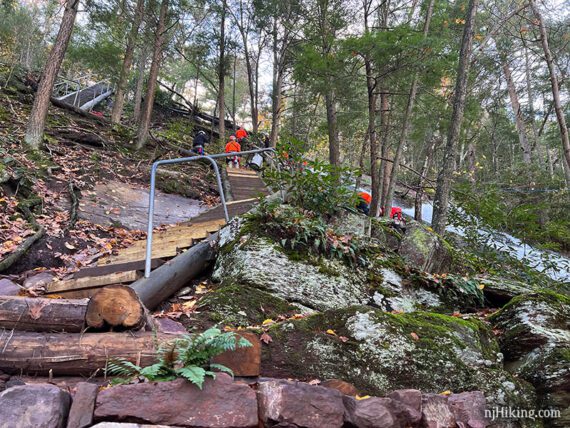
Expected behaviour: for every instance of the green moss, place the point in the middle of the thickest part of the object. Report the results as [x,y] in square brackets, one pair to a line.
[240,305]
[558,301]
[379,352]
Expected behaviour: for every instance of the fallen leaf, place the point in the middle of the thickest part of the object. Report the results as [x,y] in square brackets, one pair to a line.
[414,336]
[268,321]
[69,246]
[331,332]
[343,339]
[314,382]
[265,338]
[35,310]
[364,397]
[481,286]
[448,392]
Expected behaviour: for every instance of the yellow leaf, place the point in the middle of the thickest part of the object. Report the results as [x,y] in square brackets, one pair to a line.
[481,286]
[227,328]
[329,331]
[448,392]
[267,321]
[189,305]
[364,397]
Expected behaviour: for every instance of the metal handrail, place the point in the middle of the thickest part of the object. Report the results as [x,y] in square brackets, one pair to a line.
[210,158]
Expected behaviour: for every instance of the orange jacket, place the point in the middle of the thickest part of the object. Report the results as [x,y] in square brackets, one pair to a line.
[366,197]
[233,146]
[241,133]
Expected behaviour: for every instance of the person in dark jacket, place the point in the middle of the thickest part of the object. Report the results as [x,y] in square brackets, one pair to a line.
[200,140]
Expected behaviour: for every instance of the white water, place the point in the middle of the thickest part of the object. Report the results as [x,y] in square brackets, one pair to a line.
[555,265]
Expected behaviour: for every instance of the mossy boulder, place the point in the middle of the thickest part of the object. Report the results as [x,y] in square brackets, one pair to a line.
[499,291]
[425,250]
[349,223]
[378,352]
[238,305]
[381,229]
[535,340]
[257,262]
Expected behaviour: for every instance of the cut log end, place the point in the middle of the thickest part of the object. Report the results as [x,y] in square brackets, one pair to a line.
[115,306]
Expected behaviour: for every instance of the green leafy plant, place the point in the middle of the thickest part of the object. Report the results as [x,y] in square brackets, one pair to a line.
[312,185]
[302,230]
[187,357]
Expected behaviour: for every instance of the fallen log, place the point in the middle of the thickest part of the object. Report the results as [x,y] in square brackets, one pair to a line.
[115,306]
[172,276]
[74,353]
[36,314]
[111,307]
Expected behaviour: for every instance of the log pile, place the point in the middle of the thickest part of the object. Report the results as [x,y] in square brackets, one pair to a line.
[67,337]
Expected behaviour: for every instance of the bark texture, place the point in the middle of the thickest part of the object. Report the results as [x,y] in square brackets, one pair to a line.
[127,62]
[146,113]
[444,178]
[37,121]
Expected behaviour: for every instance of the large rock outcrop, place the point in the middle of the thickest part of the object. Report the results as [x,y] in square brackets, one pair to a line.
[535,340]
[254,271]
[247,259]
[378,351]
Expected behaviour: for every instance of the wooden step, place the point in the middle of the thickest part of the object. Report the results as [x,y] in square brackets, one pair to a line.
[57,287]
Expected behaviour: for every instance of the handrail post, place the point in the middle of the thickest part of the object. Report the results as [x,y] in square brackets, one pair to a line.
[154,168]
[148,258]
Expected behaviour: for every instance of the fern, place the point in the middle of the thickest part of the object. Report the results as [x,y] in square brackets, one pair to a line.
[187,357]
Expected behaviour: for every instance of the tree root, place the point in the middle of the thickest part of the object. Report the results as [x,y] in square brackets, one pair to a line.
[73,214]
[9,260]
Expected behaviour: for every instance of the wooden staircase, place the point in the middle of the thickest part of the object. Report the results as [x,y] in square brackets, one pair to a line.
[128,264]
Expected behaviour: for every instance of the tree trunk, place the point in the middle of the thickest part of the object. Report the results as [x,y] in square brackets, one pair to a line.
[407,122]
[385,166]
[140,85]
[424,171]
[536,140]
[443,190]
[38,314]
[555,92]
[115,306]
[127,62]
[251,85]
[276,95]
[519,122]
[76,354]
[222,75]
[334,145]
[36,123]
[170,277]
[146,112]
[373,139]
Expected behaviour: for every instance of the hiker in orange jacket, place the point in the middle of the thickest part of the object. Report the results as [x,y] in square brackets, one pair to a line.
[241,136]
[233,147]
[365,199]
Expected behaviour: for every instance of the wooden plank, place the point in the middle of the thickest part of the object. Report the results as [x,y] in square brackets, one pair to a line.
[121,267]
[90,282]
[167,243]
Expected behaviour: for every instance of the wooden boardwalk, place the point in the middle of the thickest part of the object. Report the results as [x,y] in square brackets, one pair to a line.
[127,264]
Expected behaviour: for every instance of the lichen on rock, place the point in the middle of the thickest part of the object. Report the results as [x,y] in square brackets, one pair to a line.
[536,342]
[381,351]
[258,262]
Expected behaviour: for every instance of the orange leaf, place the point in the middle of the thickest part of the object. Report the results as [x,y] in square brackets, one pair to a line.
[414,336]
[265,338]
